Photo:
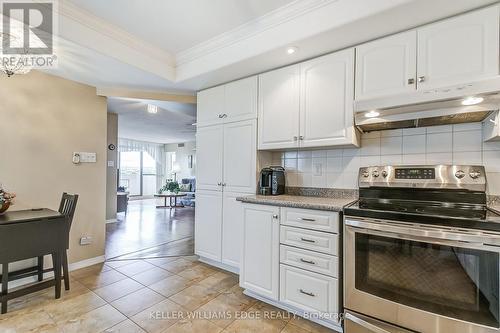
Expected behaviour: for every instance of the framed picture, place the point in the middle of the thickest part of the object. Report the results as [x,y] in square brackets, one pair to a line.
[190,161]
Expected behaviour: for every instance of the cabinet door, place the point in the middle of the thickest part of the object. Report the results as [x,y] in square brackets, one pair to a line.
[241,100]
[387,66]
[209,157]
[240,156]
[327,93]
[232,229]
[259,270]
[208,224]
[459,50]
[279,108]
[210,106]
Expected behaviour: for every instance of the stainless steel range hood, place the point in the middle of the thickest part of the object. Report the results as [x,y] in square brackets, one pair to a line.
[430,108]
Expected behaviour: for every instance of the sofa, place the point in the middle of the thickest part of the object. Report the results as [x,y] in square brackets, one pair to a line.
[188,186]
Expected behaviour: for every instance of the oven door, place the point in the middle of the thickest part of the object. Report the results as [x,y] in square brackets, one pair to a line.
[422,278]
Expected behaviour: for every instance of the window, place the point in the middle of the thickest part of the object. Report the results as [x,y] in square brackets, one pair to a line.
[138,173]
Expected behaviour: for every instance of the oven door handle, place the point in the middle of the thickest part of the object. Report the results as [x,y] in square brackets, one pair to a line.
[365,324]
[443,236]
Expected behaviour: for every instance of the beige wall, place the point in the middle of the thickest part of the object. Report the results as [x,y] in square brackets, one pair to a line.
[43,120]
[111,173]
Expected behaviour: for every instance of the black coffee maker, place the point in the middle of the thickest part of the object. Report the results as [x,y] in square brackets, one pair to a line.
[272,181]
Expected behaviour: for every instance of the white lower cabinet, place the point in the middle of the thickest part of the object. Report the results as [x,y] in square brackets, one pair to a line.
[232,229]
[295,268]
[208,224]
[260,257]
[308,291]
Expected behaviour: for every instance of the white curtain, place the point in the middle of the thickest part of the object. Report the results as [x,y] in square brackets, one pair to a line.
[155,150]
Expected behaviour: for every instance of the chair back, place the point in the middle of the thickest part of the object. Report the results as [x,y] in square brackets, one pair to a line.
[67,206]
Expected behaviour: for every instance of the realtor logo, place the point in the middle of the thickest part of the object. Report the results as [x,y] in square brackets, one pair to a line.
[27,35]
[31,24]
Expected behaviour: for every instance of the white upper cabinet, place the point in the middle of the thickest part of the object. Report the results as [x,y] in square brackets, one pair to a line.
[241,100]
[387,66]
[326,100]
[240,156]
[459,50]
[279,108]
[209,157]
[230,102]
[210,106]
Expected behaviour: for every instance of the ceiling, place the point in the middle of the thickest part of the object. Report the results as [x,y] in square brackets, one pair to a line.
[173,46]
[172,123]
[175,25]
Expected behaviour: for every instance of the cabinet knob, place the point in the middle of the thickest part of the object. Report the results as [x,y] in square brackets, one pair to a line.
[219,184]
[295,138]
[275,216]
[421,79]
[301,137]
[223,184]
[220,116]
[411,81]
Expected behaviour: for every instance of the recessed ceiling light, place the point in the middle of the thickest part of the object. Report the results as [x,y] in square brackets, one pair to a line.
[472,100]
[152,108]
[292,50]
[372,114]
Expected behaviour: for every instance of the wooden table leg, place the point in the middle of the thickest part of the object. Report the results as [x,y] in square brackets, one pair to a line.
[56,259]
[5,284]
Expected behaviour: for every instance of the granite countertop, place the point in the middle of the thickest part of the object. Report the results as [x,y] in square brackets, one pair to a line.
[298,201]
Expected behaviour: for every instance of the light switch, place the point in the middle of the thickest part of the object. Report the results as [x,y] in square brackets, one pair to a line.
[83,157]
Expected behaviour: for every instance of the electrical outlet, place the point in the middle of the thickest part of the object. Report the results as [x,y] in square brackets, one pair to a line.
[86,240]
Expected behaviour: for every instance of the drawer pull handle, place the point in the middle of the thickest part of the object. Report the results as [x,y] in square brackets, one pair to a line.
[307,293]
[306,219]
[307,261]
[307,240]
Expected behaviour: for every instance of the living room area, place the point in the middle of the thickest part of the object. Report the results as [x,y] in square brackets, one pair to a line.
[152,167]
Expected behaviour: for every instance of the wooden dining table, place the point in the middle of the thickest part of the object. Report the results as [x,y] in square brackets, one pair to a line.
[27,234]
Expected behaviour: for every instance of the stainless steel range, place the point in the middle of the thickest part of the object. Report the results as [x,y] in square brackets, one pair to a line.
[421,252]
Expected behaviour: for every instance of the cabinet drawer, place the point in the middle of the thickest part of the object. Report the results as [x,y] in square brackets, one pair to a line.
[311,219]
[310,240]
[308,291]
[313,261]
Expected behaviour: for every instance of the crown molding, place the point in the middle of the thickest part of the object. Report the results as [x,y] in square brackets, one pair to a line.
[188,98]
[100,26]
[254,27]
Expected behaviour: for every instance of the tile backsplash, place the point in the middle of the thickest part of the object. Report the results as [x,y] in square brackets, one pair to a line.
[338,168]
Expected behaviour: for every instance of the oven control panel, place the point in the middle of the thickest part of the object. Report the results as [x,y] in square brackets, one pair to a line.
[469,177]
[415,173]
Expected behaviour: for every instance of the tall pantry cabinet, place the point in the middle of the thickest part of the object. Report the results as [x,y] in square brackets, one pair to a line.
[226,149]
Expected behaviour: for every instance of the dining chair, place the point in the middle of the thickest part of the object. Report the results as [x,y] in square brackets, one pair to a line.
[67,208]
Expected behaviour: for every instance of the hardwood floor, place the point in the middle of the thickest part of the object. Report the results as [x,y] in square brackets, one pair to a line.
[147,231]
[175,294]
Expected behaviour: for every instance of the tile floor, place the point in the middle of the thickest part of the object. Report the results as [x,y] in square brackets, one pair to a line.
[170,294]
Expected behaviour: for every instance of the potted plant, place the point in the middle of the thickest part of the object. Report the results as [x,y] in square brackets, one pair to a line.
[6,199]
[170,186]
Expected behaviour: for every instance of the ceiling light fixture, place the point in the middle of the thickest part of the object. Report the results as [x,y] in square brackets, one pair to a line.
[152,108]
[292,50]
[472,100]
[372,114]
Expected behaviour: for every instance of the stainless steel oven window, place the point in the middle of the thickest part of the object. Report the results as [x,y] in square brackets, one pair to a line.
[452,281]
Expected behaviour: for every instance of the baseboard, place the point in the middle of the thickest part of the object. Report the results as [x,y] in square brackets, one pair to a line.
[72,267]
[323,322]
[111,221]
[220,265]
